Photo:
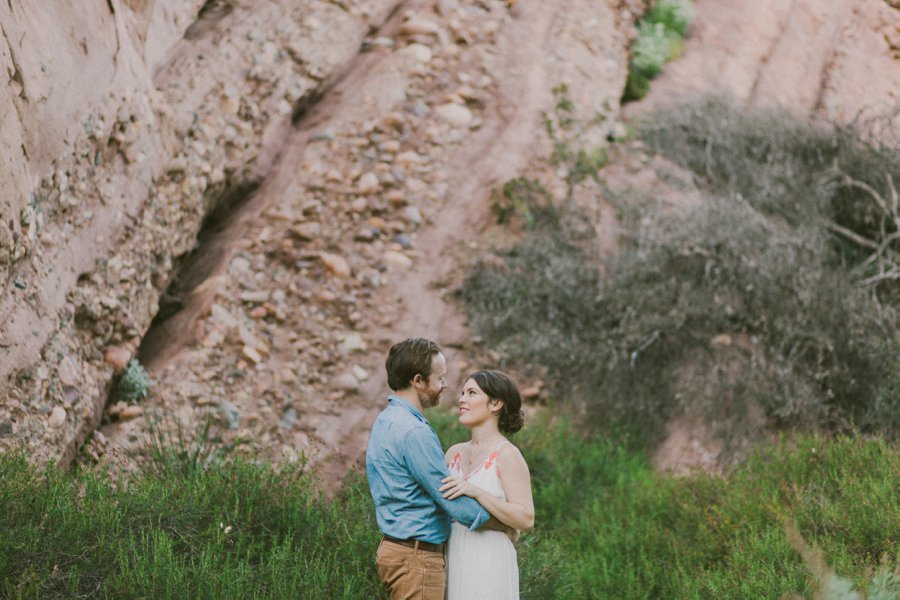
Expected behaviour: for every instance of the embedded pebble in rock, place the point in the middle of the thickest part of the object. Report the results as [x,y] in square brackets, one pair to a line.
[287,376]
[336,264]
[397,260]
[131,412]
[307,231]
[403,240]
[67,371]
[353,342]
[252,354]
[346,382]
[456,115]
[70,394]
[413,215]
[255,297]
[57,417]
[118,357]
[418,52]
[222,316]
[6,429]
[416,186]
[408,158]
[416,25]
[360,373]
[368,184]
[288,419]
[396,198]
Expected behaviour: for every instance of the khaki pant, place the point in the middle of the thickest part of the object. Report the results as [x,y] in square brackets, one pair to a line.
[411,574]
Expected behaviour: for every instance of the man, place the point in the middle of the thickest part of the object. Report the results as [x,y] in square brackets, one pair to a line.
[405,465]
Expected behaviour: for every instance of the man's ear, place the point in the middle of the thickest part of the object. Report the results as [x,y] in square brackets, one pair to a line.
[418,379]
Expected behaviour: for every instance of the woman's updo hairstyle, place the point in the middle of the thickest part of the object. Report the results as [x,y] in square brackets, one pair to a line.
[501,386]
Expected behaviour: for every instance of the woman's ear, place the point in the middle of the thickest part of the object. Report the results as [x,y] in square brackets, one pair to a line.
[495,406]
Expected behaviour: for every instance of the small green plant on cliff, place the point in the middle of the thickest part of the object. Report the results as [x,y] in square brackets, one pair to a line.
[524,204]
[176,451]
[568,134]
[660,36]
[133,384]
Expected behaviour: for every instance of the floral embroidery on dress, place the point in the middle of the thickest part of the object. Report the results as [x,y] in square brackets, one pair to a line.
[490,460]
[456,463]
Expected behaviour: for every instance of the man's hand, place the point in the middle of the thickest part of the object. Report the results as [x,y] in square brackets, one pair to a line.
[497,525]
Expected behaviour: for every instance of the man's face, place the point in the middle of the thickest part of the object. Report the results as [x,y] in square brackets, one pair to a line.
[430,390]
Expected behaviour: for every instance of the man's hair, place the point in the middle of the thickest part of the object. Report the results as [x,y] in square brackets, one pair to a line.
[501,386]
[407,359]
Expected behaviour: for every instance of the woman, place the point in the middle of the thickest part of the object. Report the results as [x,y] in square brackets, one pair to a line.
[482,563]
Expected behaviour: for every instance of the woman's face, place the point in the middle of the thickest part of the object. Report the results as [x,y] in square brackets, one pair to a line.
[475,406]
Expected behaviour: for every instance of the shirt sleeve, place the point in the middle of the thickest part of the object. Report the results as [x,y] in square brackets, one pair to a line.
[426,463]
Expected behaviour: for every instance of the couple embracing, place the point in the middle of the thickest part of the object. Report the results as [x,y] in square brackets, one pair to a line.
[449,520]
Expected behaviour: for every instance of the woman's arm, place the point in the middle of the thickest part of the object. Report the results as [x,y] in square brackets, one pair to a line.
[517,510]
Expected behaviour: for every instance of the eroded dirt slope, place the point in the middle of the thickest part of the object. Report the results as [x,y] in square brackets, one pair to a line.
[353,240]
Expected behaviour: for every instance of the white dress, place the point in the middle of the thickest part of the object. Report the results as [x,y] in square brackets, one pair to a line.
[481,565]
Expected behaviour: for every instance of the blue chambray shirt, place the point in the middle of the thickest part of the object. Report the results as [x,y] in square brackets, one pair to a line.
[405,465]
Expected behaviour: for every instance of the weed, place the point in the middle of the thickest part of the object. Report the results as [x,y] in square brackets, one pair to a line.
[176,452]
[568,137]
[133,384]
[660,35]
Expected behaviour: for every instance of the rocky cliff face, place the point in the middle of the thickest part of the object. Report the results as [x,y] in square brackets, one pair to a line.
[127,122]
[259,196]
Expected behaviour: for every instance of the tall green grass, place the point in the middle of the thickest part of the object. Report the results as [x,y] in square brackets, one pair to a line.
[236,530]
[608,526]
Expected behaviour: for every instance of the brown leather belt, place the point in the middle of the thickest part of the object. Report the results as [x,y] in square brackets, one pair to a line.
[416,544]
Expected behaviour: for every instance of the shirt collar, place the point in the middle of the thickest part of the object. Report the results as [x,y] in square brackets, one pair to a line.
[397,401]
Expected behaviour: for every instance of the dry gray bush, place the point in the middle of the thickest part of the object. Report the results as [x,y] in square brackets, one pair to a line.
[777,292]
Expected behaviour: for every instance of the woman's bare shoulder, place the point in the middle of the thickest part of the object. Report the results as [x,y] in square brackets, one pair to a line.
[510,452]
[452,450]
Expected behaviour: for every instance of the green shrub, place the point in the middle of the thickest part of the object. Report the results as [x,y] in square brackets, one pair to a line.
[133,384]
[675,15]
[651,49]
[660,35]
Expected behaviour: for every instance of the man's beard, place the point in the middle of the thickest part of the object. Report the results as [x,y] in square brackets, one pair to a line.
[430,400]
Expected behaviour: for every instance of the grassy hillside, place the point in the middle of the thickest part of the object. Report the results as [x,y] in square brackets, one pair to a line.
[607,526]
